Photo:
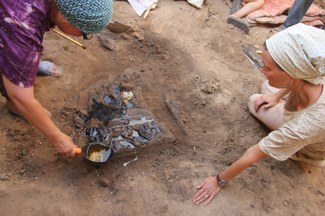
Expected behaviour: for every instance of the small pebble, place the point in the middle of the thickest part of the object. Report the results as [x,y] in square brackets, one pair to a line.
[286,203]
[22,171]
[104,182]
[3,177]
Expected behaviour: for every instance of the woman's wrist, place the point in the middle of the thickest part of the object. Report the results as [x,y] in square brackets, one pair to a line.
[55,136]
[221,181]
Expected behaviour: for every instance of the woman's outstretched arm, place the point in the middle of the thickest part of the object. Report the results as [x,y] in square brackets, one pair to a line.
[209,187]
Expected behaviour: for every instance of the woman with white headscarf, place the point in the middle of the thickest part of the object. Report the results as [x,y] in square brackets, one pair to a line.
[292,104]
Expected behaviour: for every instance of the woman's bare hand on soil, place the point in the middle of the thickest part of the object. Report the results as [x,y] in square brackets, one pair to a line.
[208,189]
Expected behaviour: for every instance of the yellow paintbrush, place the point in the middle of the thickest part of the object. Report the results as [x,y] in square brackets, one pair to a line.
[68,38]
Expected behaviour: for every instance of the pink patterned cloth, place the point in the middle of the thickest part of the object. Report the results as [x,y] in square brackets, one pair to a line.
[273,12]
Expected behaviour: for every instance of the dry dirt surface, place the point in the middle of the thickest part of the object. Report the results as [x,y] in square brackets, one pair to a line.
[195,79]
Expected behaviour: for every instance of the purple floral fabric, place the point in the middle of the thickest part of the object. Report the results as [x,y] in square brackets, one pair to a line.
[22,26]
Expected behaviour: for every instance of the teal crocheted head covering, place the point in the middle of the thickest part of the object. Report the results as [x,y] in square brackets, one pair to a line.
[89,16]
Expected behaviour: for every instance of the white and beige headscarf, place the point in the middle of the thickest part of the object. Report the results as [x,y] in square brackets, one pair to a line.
[300,51]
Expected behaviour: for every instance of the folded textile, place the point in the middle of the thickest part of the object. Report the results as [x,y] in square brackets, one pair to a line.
[196,3]
[141,6]
[277,20]
[274,12]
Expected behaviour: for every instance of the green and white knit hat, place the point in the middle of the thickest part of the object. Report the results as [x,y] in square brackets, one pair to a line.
[89,16]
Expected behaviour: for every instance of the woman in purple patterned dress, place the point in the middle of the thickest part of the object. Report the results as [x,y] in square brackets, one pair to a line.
[22,26]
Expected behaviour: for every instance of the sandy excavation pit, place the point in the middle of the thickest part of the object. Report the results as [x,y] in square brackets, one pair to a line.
[188,72]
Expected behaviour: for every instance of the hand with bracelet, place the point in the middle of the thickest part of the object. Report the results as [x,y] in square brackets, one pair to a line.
[208,189]
[212,185]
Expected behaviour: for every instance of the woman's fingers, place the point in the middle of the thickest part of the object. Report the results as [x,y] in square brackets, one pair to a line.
[64,145]
[265,106]
[201,185]
[213,194]
[72,152]
[257,103]
[201,198]
[257,106]
[206,194]
[198,195]
[260,102]
[265,102]
[208,190]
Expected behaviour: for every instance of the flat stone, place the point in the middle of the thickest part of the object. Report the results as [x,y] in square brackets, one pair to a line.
[118,27]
